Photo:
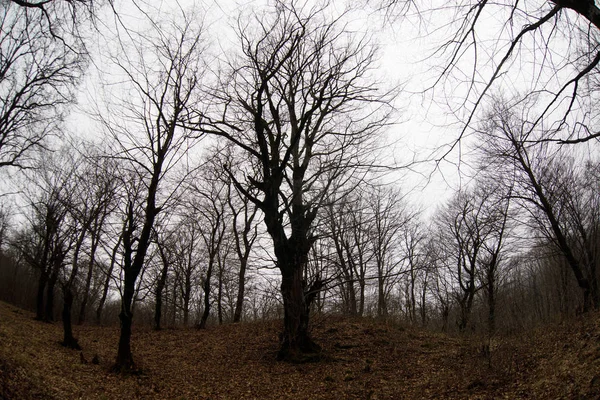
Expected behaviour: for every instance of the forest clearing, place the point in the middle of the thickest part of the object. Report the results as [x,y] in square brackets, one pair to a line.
[362,359]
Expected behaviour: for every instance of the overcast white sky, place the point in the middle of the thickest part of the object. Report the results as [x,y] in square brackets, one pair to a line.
[423,125]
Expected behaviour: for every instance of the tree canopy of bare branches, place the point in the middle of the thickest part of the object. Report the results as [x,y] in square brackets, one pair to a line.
[301,105]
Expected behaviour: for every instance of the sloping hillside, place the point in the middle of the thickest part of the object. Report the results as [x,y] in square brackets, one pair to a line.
[362,359]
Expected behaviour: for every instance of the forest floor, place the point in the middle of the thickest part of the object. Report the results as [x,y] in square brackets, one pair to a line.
[362,359]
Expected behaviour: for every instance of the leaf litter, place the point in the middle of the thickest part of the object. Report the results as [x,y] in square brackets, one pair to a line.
[362,359]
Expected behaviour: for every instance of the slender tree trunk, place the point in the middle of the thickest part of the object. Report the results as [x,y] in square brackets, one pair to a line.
[113,259]
[186,301]
[68,338]
[381,301]
[206,312]
[424,304]
[88,280]
[445,316]
[160,285]
[239,304]
[491,288]
[174,301]
[220,296]
[413,300]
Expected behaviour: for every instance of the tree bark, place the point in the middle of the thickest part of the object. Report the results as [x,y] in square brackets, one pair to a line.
[49,310]
[206,286]
[239,304]
[68,339]
[88,280]
[113,259]
[220,296]
[296,343]
[39,303]
[160,285]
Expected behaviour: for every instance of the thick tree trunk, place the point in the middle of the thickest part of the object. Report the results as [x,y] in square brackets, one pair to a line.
[296,343]
[68,340]
[124,360]
[352,309]
[132,268]
[466,304]
[49,310]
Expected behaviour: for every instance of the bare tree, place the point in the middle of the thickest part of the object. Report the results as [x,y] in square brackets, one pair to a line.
[413,239]
[389,220]
[348,226]
[101,193]
[162,68]
[37,80]
[539,185]
[210,204]
[301,106]
[49,191]
[245,233]
[473,232]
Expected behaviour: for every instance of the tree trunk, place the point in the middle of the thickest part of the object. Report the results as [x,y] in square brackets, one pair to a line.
[124,360]
[220,296]
[424,304]
[132,268]
[352,297]
[296,344]
[239,304]
[104,295]
[160,285]
[381,301]
[124,357]
[39,302]
[88,282]
[466,304]
[113,259]
[206,312]
[68,340]
[491,304]
[49,311]
[361,304]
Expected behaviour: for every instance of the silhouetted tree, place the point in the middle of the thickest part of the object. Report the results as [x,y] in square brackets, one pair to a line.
[300,105]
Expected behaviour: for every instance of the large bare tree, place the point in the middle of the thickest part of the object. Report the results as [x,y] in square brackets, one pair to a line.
[301,104]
